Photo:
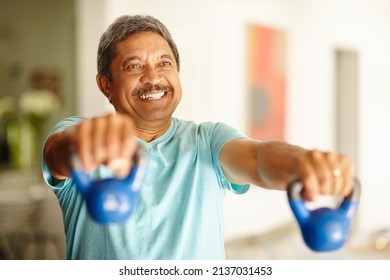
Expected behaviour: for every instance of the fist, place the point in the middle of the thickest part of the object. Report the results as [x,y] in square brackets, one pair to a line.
[108,140]
[325,173]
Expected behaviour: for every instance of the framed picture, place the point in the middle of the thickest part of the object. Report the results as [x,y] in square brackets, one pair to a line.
[266,82]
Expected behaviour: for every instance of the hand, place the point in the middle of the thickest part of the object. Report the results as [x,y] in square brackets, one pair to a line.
[325,173]
[106,140]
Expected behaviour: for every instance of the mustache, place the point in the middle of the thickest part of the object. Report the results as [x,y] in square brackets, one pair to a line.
[147,89]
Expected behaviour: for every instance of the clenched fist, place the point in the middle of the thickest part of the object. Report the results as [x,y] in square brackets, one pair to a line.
[108,140]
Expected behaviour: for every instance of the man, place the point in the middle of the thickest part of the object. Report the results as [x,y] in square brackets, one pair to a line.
[179,213]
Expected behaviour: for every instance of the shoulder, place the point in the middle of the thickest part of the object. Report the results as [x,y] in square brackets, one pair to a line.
[185,129]
[185,125]
[210,131]
[69,121]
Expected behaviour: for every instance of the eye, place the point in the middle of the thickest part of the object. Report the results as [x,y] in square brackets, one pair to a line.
[133,66]
[166,64]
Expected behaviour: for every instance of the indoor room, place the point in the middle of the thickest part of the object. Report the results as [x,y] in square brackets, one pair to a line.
[314,73]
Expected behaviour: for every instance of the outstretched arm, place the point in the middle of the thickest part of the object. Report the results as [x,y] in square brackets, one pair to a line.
[274,164]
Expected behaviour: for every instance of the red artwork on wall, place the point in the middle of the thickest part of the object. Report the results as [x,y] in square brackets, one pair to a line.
[266,82]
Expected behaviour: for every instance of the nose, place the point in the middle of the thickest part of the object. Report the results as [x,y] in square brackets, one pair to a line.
[151,76]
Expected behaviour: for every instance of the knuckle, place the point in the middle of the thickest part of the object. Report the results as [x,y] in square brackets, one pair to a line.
[344,160]
[315,154]
[80,132]
[83,126]
[112,118]
[331,156]
[112,147]
[99,121]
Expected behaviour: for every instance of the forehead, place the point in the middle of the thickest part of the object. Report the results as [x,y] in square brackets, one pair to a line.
[143,42]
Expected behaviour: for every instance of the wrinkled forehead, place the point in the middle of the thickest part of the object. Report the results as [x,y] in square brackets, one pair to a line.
[144,43]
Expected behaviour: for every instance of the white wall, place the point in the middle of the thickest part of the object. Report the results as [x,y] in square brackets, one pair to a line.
[363,26]
[259,210]
[90,22]
[211,39]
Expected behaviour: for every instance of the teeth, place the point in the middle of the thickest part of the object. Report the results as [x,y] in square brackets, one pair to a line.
[153,96]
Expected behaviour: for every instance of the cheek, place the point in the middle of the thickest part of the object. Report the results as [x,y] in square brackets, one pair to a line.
[121,96]
[178,89]
[124,103]
[175,82]
[124,87]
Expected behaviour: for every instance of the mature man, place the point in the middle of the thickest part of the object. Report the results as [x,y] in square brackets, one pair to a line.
[179,214]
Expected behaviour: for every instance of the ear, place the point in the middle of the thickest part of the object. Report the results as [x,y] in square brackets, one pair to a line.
[104,85]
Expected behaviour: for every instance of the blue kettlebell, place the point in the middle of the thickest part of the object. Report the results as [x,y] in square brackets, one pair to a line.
[323,229]
[110,200]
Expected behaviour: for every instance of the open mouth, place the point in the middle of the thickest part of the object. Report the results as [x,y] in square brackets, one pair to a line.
[152,96]
[153,93]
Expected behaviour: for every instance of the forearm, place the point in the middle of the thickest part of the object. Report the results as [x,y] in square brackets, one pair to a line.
[277,163]
[280,163]
[56,154]
[269,164]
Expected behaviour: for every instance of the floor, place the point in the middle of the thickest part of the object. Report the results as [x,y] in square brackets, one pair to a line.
[31,225]
[286,243]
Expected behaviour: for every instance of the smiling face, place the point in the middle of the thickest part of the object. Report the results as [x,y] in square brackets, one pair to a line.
[144,80]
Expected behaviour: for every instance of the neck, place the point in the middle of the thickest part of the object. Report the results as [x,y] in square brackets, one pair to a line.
[148,132]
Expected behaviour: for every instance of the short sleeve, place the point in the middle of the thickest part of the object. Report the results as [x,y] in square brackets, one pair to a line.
[220,135]
[45,170]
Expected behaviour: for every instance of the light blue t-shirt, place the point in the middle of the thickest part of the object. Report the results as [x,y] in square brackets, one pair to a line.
[179,214]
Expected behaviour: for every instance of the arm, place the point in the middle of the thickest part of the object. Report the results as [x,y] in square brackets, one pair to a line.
[103,140]
[274,164]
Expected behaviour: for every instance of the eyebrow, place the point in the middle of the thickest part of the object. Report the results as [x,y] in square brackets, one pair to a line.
[131,58]
[138,58]
[168,56]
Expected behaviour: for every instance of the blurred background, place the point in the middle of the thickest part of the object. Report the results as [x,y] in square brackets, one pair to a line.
[312,72]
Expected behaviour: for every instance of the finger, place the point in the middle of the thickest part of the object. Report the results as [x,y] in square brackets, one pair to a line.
[98,134]
[335,170]
[113,137]
[338,176]
[83,144]
[121,144]
[120,166]
[344,176]
[307,176]
[348,176]
[129,143]
[322,170]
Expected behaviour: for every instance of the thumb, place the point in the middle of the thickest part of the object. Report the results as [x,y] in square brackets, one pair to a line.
[120,166]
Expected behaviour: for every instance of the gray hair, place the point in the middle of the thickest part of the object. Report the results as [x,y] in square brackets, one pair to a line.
[120,29]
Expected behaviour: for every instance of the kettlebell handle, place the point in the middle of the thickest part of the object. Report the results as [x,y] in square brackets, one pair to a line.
[135,176]
[110,200]
[294,190]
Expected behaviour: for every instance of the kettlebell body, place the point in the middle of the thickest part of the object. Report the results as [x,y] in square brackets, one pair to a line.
[111,200]
[324,229]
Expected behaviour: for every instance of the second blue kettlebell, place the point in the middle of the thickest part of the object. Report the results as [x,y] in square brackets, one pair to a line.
[323,229]
[111,200]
